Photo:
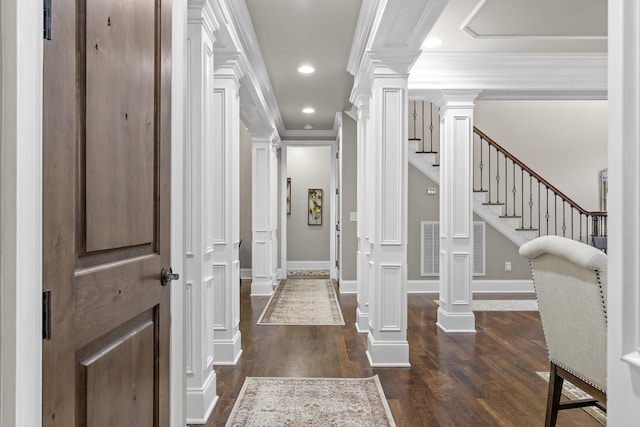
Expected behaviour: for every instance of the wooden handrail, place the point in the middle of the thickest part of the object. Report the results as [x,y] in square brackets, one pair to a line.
[535,175]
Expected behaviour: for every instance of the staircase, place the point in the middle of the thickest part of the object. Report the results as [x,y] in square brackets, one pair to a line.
[508,194]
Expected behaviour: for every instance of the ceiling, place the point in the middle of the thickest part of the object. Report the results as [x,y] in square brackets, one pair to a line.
[291,33]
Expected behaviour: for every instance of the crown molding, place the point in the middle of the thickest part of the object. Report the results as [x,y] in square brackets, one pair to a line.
[388,38]
[240,23]
[481,5]
[202,12]
[512,75]
[237,46]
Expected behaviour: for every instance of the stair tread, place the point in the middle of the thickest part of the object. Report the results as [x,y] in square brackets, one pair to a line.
[426,152]
[526,229]
[415,139]
[480,191]
[510,216]
[493,204]
[436,164]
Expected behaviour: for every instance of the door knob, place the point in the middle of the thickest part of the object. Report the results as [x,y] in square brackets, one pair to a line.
[167,275]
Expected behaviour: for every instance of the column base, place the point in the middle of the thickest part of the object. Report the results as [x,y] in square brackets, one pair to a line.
[362,322]
[227,352]
[262,288]
[388,354]
[456,323]
[201,401]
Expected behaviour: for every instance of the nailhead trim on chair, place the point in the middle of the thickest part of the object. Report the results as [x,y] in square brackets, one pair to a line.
[604,306]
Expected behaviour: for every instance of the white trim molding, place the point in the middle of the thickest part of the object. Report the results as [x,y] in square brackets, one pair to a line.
[348,286]
[465,26]
[512,75]
[21,213]
[477,286]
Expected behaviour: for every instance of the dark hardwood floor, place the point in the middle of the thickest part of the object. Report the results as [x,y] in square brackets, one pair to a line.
[483,379]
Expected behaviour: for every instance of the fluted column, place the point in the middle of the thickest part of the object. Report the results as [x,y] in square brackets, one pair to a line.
[387,339]
[264,216]
[226,207]
[199,214]
[455,313]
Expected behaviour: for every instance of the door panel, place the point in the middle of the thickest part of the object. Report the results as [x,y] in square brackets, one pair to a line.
[106,139]
[120,123]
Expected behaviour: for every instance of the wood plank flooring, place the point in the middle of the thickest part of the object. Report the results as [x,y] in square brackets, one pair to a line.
[483,379]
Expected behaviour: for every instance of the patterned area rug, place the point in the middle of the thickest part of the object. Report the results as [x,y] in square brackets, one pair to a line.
[574,393]
[311,402]
[309,273]
[303,302]
[503,305]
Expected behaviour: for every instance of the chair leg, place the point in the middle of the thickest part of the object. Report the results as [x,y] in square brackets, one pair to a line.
[553,398]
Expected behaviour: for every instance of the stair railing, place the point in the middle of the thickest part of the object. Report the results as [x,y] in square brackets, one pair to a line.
[525,195]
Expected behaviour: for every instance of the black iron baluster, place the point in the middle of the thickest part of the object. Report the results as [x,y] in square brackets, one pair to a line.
[530,202]
[564,224]
[506,191]
[555,214]
[497,176]
[489,176]
[431,123]
[481,165]
[514,188]
[415,115]
[539,223]
[547,206]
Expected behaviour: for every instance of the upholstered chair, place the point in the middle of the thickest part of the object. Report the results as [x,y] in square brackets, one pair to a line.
[570,280]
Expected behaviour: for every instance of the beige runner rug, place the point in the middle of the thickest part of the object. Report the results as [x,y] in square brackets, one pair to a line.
[303,302]
[311,402]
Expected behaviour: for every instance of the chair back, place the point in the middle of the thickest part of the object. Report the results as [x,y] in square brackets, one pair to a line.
[570,280]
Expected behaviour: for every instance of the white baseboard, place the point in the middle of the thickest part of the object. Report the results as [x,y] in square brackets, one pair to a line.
[348,286]
[201,401]
[479,286]
[308,265]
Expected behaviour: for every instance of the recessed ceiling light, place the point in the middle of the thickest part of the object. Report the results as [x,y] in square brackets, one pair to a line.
[308,110]
[431,42]
[308,127]
[306,69]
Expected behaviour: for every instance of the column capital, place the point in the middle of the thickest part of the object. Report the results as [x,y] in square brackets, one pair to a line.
[230,65]
[201,12]
[265,136]
[456,98]
[360,98]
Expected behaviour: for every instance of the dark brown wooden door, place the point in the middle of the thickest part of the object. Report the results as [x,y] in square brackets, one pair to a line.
[106,137]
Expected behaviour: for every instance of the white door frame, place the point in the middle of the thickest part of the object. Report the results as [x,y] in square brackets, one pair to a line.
[283,198]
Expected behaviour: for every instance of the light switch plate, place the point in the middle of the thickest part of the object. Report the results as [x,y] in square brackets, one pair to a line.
[353,216]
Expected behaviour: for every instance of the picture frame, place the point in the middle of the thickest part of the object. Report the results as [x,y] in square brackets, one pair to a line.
[288,196]
[314,205]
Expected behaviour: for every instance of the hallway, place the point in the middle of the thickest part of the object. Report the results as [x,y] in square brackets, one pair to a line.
[486,379]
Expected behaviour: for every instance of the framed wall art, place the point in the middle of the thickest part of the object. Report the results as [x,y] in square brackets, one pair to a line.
[314,216]
[288,196]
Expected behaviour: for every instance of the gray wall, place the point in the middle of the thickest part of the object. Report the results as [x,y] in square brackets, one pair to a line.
[308,167]
[245,197]
[564,141]
[423,207]
[348,233]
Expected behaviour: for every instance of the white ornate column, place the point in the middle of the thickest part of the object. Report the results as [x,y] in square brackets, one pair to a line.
[226,208]
[264,220]
[623,303]
[362,257]
[455,313]
[199,214]
[387,339]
